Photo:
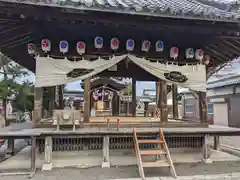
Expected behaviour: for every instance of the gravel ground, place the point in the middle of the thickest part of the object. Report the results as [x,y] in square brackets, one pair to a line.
[98,173]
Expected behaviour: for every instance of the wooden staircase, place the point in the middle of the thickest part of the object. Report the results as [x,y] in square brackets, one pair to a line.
[161,150]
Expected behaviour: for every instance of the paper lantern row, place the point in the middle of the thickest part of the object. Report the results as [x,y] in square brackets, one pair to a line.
[130,44]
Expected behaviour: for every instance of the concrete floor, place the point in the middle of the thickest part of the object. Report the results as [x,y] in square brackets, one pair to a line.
[199,171]
[85,159]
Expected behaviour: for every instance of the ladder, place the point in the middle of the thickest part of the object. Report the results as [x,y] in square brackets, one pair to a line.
[162,149]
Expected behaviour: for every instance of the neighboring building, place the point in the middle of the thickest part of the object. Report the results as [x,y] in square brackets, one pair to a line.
[190,106]
[224,94]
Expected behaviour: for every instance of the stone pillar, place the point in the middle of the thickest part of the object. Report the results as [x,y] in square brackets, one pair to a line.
[10,146]
[174,101]
[87,85]
[33,156]
[47,166]
[37,112]
[134,103]
[202,100]
[206,150]
[106,161]
[162,102]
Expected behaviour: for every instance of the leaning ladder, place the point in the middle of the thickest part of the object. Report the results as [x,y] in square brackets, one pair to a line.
[162,149]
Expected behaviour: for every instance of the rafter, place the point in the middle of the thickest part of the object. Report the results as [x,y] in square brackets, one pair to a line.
[232,45]
[224,57]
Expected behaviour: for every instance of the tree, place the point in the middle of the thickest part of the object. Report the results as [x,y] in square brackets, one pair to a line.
[9,86]
[22,96]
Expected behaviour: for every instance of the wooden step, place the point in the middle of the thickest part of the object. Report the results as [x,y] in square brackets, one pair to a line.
[152,152]
[156,164]
[150,141]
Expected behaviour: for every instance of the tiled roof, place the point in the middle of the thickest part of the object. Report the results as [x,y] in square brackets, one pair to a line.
[224,82]
[229,75]
[199,9]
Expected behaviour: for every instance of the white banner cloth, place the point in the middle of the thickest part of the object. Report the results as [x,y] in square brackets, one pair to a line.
[52,72]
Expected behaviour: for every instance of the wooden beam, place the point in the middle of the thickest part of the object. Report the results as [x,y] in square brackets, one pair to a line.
[237,48]
[37,112]
[175,101]
[134,103]
[87,84]
[217,53]
[229,37]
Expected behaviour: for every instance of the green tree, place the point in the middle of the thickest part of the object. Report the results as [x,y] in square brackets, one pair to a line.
[23,96]
[9,87]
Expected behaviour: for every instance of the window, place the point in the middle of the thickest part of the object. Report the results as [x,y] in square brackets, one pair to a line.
[210,108]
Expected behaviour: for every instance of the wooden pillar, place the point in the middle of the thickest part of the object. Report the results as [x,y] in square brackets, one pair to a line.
[52,100]
[61,102]
[174,101]
[202,100]
[37,112]
[126,104]
[162,102]
[216,144]
[146,109]
[157,93]
[115,104]
[86,99]
[134,103]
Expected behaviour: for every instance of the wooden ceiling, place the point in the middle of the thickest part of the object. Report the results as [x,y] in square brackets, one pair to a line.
[29,23]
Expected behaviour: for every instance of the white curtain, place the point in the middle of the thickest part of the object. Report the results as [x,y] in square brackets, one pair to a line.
[52,72]
[196,74]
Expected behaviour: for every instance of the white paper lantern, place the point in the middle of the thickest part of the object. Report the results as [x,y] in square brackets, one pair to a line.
[199,54]
[114,43]
[159,46]
[130,45]
[63,47]
[98,42]
[31,48]
[146,45]
[189,53]
[174,52]
[46,45]
[207,59]
[81,47]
